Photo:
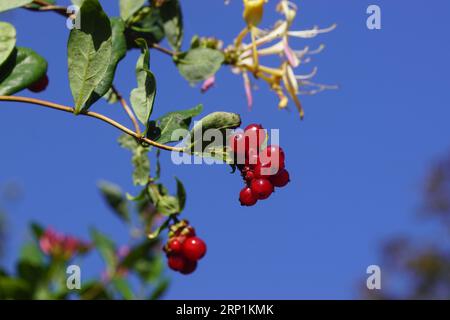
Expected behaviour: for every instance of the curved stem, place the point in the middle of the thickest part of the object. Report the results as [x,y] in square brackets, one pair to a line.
[45,6]
[127,110]
[163,50]
[91,114]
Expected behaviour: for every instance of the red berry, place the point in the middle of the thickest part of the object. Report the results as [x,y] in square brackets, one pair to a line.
[194,248]
[176,262]
[39,85]
[255,135]
[280,179]
[188,267]
[247,197]
[237,143]
[252,158]
[264,171]
[262,188]
[244,169]
[272,156]
[175,245]
[253,127]
[187,232]
[249,176]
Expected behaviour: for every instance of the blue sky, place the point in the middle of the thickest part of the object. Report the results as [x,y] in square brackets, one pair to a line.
[357,161]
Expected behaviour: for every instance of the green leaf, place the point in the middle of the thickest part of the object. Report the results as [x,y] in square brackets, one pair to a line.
[128,142]
[160,229]
[172,18]
[199,64]
[106,247]
[123,287]
[111,97]
[158,165]
[129,7]
[77,2]
[143,250]
[150,268]
[143,97]
[32,273]
[31,253]
[168,205]
[37,230]
[217,120]
[98,288]
[221,121]
[146,23]
[162,130]
[139,159]
[89,52]
[11,4]
[141,166]
[14,288]
[181,194]
[115,199]
[160,289]
[119,49]
[7,40]
[23,68]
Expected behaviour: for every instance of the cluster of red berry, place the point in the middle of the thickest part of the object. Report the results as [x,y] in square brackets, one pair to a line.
[262,168]
[184,249]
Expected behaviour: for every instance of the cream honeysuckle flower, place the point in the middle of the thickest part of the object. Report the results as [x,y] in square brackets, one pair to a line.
[275,42]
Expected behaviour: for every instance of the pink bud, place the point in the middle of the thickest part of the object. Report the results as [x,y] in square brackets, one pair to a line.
[208,84]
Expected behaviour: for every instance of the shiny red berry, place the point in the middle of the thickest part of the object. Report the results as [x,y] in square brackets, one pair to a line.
[252,158]
[188,267]
[247,197]
[255,135]
[249,176]
[39,85]
[176,262]
[194,248]
[187,232]
[272,156]
[237,143]
[175,245]
[261,188]
[280,179]
[264,171]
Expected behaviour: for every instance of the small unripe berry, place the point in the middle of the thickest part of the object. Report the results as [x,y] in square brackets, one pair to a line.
[280,179]
[194,248]
[262,188]
[247,197]
[39,85]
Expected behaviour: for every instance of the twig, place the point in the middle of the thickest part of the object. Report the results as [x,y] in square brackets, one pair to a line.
[127,110]
[45,6]
[163,50]
[92,114]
